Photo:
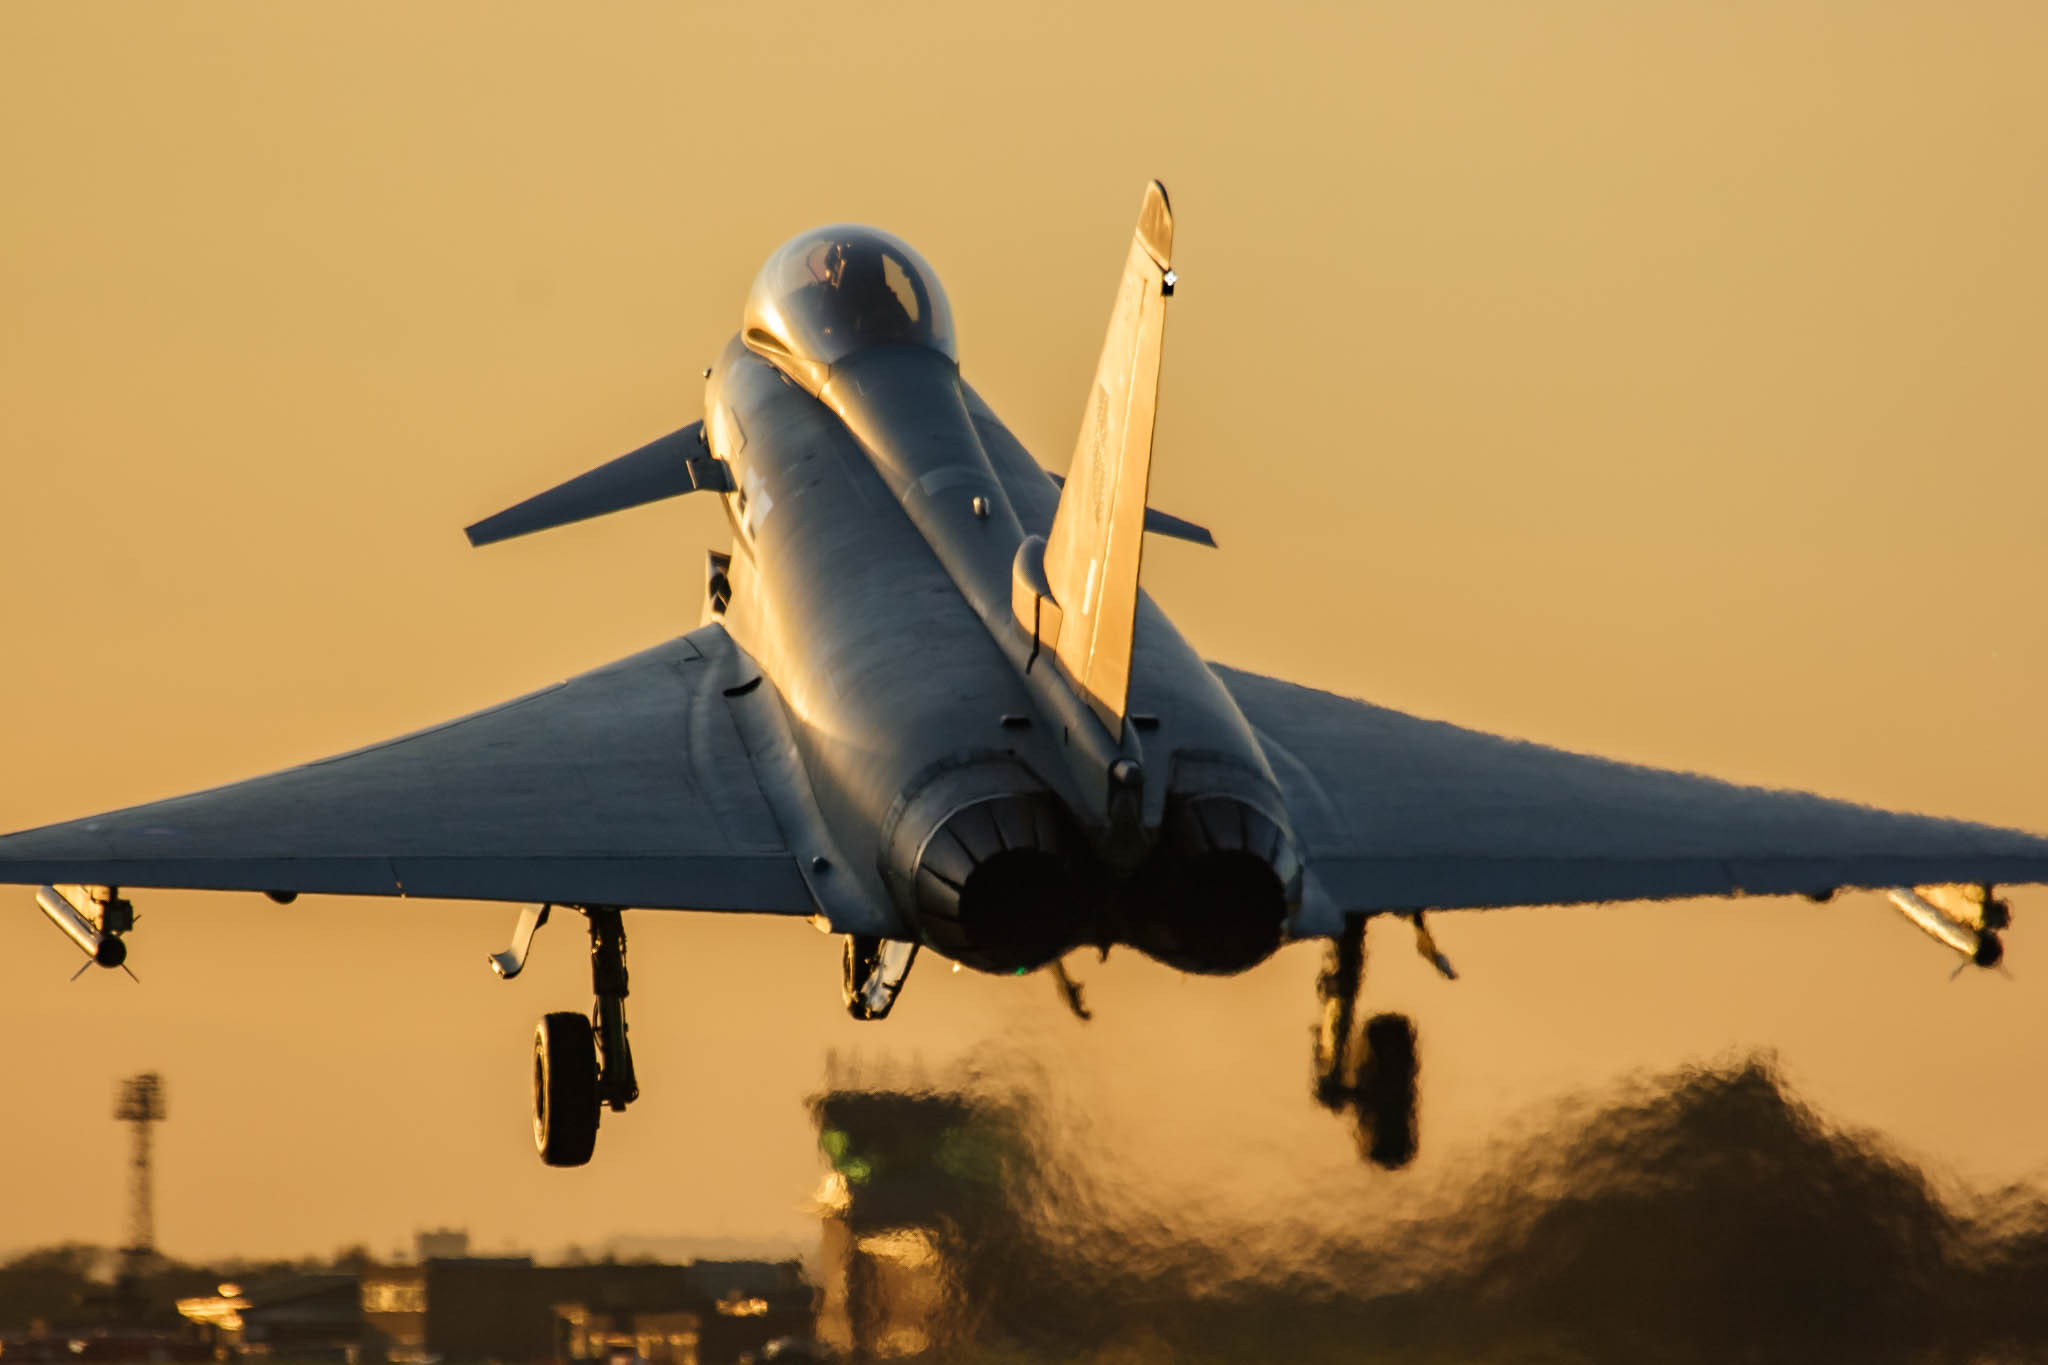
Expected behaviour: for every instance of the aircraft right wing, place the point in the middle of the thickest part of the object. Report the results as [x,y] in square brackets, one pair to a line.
[1399,813]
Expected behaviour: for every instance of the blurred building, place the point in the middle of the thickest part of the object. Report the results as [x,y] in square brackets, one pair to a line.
[103,1346]
[507,1309]
[310,1318]
[440,1244]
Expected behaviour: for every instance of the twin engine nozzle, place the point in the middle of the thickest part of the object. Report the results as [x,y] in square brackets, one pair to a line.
[1216,893]
[1003,880]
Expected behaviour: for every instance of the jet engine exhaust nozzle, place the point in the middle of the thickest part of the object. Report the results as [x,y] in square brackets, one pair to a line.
[995,886]
[1215,895]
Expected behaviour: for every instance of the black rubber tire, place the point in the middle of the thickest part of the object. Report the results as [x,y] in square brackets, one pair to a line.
[1387,1096]
[565,1104]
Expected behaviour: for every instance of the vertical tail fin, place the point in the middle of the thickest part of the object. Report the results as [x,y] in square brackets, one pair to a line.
[1098,533]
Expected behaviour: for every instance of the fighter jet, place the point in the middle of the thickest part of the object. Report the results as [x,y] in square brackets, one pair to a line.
[930,707]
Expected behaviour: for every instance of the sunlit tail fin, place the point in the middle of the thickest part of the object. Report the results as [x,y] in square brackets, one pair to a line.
[1098,533]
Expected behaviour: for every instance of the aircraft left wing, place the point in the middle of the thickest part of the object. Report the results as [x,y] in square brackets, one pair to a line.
[1398,813]
[626,786]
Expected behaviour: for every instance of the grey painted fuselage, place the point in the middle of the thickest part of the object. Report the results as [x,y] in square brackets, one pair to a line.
[875,528]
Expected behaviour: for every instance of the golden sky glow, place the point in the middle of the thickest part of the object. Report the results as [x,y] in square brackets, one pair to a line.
[1659,380]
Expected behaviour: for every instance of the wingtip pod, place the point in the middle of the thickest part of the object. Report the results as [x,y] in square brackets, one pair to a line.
[94,923]
[1966,919]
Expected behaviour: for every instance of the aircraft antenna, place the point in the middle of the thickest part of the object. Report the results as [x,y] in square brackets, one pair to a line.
[140,1104]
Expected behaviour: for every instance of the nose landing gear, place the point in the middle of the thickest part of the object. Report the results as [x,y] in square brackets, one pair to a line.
[1371,1071]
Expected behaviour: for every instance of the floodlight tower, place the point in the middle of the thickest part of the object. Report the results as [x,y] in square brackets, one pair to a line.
[139,1104]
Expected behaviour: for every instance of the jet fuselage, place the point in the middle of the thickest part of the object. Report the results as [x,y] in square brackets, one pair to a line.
[875,535]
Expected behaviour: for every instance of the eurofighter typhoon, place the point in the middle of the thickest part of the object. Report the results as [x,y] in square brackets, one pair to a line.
[930,708]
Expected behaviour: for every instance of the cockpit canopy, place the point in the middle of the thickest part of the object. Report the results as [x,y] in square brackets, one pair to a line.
[837,290]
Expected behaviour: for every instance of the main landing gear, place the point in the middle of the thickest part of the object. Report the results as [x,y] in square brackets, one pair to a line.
[581,1065]
[1370,1071]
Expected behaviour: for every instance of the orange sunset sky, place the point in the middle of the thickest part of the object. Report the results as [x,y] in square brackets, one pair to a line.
[1662,380]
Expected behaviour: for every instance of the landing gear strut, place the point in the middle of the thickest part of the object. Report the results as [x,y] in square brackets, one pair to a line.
[1370,1071]
[582,1065]
[617,1087]
[875,970]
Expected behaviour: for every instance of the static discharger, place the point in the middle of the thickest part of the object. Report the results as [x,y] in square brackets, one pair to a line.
[1964,918]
